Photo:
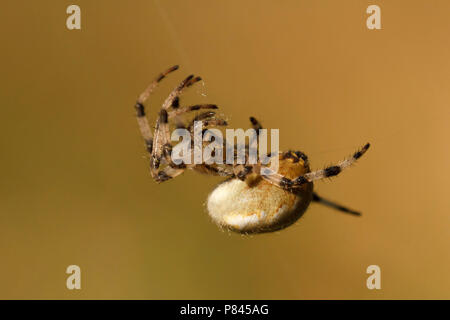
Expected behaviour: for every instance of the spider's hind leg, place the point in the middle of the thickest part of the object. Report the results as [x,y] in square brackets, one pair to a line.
[334,205]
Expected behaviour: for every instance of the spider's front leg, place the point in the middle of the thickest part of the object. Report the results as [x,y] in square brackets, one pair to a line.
[161,141]
[156,160]
[142,120]
[162,148]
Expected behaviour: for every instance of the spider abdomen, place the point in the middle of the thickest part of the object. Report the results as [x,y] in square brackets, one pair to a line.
[236,206]
[258,206]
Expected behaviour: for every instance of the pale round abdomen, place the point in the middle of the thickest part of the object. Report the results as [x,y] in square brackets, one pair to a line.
[236,206]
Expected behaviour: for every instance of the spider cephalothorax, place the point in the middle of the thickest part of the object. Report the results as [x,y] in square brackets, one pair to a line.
[251,200]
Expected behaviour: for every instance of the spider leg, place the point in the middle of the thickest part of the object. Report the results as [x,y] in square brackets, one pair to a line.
[144,95]
[207,122]
[142,120]
[328,172]
[241,171]
[189,81]
[207,119]
[167,173]
[256,124]
[158,145]
[179,111]
[193,80]
[176,104]
[254,142]
[213,170]
[318,199]
[161,141]
[335,170]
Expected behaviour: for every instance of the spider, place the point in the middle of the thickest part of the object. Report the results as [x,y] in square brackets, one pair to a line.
[249,201]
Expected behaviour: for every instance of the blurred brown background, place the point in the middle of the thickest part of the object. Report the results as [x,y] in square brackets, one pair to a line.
[75,186]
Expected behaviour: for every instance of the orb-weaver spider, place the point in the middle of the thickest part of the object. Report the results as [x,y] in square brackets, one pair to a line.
[249,201]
